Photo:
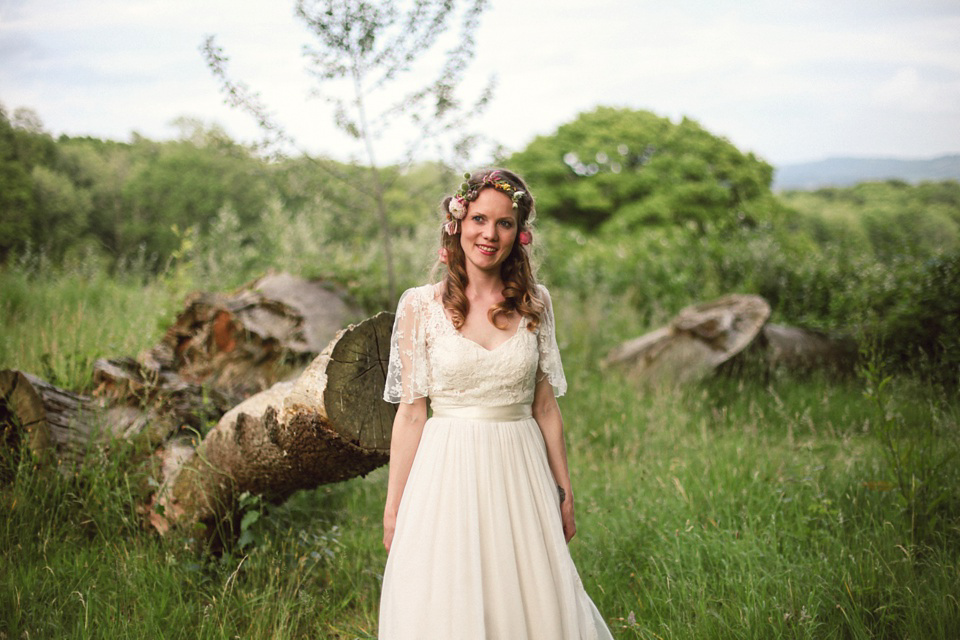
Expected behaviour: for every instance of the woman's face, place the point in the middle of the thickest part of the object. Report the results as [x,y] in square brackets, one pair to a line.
[489,230]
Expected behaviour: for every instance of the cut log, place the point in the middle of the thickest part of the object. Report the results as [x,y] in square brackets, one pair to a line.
[797,350]
[698,339]
[730,334]
[806,350]
[162,401]
[329,425]
[242,342]
[33,413]
[55,425]
[59,426]
[222,348]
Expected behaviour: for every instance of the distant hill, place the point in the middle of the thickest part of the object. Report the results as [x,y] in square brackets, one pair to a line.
[843,172]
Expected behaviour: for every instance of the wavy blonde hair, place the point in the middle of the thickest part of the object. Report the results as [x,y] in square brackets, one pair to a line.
[519,282]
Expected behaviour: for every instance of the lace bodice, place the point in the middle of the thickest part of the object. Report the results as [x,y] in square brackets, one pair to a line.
[430,358]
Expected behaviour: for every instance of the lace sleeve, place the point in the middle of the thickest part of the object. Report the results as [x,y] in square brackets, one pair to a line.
[550,366]
[407,373]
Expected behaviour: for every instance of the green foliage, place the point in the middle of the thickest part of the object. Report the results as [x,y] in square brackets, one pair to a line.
[17,205]
[731,509]
[890,219]
[920,455]
[885,259]
[628,170]
[121,198]
[878,259]
[172,184]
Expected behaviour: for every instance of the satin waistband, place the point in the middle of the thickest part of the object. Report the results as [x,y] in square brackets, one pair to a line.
[503,413]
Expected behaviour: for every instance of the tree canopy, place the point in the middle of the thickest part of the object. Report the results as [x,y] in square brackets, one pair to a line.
[621,169]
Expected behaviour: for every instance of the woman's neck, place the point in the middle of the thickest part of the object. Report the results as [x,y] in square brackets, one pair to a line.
[481,284]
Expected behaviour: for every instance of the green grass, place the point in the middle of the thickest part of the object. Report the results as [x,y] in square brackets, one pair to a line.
[726,510]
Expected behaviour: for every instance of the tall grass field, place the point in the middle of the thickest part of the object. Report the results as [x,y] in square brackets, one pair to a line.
[780,507]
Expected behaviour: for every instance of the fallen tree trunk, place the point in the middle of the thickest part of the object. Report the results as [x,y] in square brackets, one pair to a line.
[59,426]
[697,340]
[781,347]
[328,425]
[730,334]
[219,350]
[50,423]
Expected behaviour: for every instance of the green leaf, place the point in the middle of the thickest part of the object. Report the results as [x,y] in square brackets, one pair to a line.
[246,539]
[249,518]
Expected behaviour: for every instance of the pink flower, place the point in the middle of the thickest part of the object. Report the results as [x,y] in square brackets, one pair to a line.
[442,254]
[457,207]
[525,237]
[450,227]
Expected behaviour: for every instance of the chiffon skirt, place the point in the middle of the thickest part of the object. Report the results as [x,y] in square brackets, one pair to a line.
[478,552]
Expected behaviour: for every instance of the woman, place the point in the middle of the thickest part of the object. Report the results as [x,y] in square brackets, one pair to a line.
[479,506]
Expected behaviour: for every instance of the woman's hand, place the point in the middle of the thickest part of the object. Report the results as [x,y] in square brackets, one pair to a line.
[566,516]
[389,525]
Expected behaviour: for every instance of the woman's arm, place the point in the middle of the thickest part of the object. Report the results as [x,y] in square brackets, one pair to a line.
[546,412]
[404,440]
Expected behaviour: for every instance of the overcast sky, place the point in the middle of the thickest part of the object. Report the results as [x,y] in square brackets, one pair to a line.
[790,81]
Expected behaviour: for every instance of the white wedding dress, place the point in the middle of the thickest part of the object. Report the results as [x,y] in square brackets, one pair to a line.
[478,552]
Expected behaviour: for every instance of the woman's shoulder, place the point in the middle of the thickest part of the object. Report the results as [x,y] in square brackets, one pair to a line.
[543,294]
[420,290]
[418,296]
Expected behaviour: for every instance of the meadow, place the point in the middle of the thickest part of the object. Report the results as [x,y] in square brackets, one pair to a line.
[764,505]
[782,507]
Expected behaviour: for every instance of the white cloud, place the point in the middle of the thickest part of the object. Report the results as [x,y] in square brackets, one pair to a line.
[909,91]
[789,80]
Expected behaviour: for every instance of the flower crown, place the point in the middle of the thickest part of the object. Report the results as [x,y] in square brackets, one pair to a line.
[457,207]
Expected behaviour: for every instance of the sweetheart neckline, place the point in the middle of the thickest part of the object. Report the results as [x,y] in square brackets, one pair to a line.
[456,331]
[480,346]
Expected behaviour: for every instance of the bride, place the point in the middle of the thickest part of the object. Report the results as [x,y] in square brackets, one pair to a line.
[479,506]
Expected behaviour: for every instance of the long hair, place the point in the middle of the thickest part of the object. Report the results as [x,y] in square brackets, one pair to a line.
[516,271]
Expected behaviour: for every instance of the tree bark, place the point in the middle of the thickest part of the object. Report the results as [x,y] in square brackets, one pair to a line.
[50,423]
[60,426]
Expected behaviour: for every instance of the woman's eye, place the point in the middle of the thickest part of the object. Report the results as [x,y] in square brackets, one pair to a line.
[477,218]
[506,224]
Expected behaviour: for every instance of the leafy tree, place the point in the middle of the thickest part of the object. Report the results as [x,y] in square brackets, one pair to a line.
[365,53]
[62,210]
[17,204]
[102,168]
[624,169]
[180,183]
